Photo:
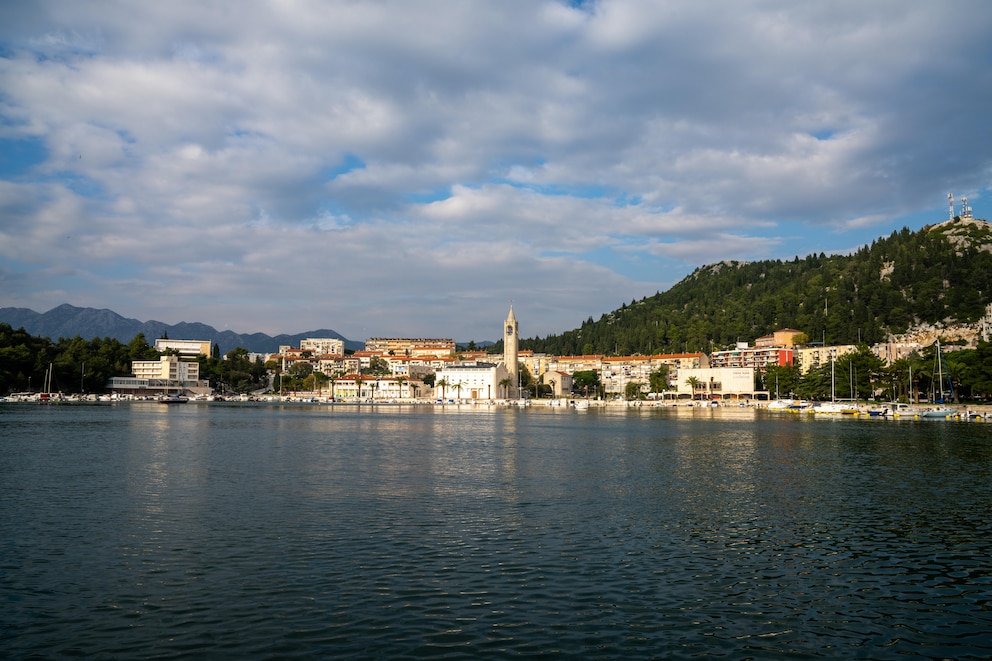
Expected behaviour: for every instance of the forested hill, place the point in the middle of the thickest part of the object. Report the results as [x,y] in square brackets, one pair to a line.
[941,273]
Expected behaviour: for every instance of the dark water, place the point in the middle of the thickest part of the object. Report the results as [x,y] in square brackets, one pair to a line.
[265,532]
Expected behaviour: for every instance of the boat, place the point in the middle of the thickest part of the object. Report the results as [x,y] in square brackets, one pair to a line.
[781,404]
[173,399]
[940,411]
[835,408]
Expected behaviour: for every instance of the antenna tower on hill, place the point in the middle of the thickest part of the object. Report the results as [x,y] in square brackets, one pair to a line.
[965,209]
[950,206]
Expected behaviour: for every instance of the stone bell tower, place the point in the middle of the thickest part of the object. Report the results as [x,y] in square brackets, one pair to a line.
[510,356]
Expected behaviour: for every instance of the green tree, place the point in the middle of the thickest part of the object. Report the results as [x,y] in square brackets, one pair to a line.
[633,390]
[442,384]
[658,379]
[694,383]
[504,385]
[586,380]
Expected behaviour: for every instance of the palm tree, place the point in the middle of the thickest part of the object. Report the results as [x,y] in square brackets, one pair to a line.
[333,378]
[505,385]
[400,380]
[442,384]
[693,382]
[358,383]
[458,389]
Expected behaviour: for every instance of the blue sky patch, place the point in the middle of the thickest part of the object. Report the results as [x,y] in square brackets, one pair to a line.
[17,157]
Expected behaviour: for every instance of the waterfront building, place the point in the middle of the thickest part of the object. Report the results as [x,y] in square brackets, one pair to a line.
[480,380]
[716,383]
[617,371]
[375,388]
[170,368]
[160,377]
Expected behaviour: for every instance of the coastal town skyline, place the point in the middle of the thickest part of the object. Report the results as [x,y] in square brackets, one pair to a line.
[389,169]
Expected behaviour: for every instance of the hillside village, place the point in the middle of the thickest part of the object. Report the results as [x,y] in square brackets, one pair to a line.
[432,369]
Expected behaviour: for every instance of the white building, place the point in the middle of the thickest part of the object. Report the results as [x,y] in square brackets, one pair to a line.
[511,355]
[168,368]
[158,377]
[322,345]
[717,382]
[376,388]
[473,381]
[184,347]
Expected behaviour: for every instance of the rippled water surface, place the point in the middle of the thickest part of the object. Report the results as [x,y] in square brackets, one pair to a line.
[268,532]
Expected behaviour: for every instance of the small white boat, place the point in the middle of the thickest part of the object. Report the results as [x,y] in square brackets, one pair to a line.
[835,408]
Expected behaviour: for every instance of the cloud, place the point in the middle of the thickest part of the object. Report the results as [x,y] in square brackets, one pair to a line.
[390,168]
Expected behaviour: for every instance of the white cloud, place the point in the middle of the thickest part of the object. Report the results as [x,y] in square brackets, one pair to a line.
[391,167]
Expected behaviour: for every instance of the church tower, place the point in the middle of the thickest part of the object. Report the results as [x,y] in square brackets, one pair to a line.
[510,347]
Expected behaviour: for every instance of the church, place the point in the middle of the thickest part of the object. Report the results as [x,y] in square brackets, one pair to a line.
[481,380]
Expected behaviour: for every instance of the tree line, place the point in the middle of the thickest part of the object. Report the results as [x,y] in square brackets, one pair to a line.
[75,365]
[961,375]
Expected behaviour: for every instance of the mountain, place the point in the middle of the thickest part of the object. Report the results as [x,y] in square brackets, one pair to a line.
[940,275]
[69,321]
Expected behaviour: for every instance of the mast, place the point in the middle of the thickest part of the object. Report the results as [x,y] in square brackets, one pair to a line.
[940,376]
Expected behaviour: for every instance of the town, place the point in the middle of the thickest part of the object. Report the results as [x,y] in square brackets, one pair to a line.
[435,370]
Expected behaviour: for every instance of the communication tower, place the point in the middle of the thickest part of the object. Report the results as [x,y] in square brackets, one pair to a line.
[950,206]
[965,209]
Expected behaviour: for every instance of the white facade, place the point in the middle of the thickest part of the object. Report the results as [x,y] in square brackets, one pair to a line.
[717,382]
[322,345]
[184,347]
[376,388]
[168,368]
[511,350]
[477,381]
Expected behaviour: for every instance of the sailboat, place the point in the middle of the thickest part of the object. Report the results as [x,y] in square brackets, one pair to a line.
[833,406]
[939,411]
[175,398]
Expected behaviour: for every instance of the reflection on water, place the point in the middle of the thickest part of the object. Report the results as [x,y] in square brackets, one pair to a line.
[282,532]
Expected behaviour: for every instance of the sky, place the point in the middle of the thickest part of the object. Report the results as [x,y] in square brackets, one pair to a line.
[410,168]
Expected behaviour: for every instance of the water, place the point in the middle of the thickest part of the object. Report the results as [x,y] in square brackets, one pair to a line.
[274,532]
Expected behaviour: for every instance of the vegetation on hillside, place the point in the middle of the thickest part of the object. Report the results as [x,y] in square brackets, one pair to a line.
[897,282]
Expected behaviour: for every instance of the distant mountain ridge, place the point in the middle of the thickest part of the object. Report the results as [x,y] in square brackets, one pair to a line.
[69,321]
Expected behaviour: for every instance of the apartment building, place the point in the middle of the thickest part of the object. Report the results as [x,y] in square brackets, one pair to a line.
[812,357]
[167,368]
[322,345]
[184,347]
[397,346]
[757,357]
